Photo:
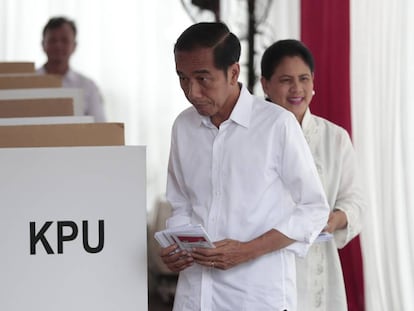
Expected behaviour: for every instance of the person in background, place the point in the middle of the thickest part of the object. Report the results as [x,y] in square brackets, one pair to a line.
[242,169]
[287,69]
[59,43]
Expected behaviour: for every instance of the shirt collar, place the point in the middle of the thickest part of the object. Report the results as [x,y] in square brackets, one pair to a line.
[69,75]
[308,123]
[306,119]
[241,112]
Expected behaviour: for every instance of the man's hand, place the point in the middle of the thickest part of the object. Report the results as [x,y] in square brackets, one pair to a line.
[227,254]
[230,253]
[175,259]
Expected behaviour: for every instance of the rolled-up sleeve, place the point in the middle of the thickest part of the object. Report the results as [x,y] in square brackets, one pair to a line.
[350,198]
[299,175]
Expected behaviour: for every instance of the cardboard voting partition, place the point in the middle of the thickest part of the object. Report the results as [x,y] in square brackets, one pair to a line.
[17,67]
[27,81]
[51,135]
[46,120]
[36,93]
[73,229]
[39,107]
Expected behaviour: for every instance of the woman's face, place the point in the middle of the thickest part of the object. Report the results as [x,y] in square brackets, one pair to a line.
[291,85]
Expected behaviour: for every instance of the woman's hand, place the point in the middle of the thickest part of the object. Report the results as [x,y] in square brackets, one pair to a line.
[337,220]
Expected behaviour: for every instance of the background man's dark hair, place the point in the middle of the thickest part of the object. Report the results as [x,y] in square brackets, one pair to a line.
[277,51]
[56,22]
[226,46]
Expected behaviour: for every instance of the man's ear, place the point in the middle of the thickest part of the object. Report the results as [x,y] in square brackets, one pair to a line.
[263,81]
[234,72]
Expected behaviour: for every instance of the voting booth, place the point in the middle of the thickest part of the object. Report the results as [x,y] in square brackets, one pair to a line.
[49,135]
[73,228]
[47,120]
[38,107]
[72,219]
[17,67]
[41,93]
[73,225]
[29,80]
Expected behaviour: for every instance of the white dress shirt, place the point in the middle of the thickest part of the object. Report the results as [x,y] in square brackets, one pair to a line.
[319,275]
[93,103]
[252,174]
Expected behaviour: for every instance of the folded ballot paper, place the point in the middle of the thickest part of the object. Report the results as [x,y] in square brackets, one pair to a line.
[324,237]
[186,236]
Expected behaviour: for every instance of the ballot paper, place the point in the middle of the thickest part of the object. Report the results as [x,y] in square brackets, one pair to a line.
[324,237]
[186,237]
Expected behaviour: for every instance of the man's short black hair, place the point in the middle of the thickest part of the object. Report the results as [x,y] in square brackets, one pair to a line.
[216,35]
[56,22]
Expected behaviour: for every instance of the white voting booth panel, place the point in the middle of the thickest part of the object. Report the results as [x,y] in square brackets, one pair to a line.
[47,120]
[75,93]
[73,229]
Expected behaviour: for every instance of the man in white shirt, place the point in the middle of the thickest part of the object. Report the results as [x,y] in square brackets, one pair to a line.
[242,169]
[59,43]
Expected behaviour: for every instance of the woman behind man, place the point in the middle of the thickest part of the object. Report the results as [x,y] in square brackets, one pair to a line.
[287,79]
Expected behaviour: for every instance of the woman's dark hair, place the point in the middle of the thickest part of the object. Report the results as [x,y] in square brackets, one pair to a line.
[275,53]
[216,35]
[56,22]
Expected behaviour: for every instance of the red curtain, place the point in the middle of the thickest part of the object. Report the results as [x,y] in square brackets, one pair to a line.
[325,30]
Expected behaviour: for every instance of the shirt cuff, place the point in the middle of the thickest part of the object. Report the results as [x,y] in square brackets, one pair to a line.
[300,249]
[177,220]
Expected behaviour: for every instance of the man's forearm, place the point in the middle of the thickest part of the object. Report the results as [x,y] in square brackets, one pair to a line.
[268,242]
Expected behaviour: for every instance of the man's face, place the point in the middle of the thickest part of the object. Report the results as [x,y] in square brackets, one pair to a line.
[59,44]
[207,88]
